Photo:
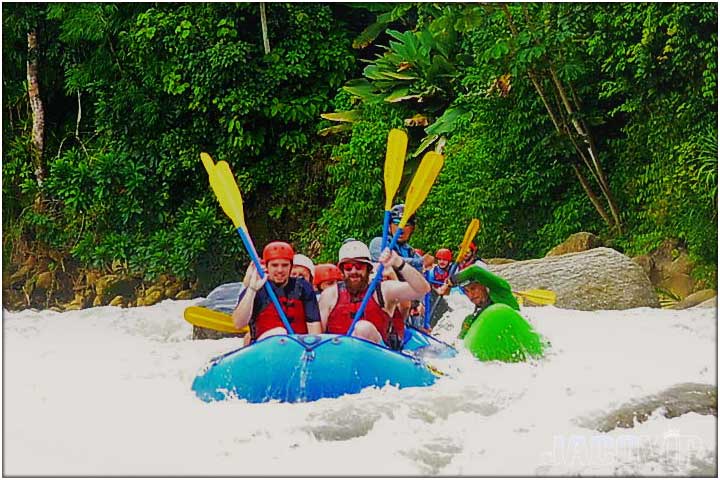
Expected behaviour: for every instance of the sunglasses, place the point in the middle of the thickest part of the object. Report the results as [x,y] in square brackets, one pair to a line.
[349,266]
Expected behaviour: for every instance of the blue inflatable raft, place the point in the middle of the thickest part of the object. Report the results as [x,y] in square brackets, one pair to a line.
[304,368]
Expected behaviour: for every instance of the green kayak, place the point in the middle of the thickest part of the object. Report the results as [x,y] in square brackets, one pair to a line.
[500,333]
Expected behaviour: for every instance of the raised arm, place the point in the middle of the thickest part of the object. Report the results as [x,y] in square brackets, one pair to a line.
[414,286]
[243,311]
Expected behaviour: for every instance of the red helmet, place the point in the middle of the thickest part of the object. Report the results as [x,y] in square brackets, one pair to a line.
[326,272]
[419,252]
[473,247]
[278,251]
[444,254]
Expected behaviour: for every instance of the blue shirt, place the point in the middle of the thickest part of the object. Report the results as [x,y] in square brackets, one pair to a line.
[305,294]
[405,251]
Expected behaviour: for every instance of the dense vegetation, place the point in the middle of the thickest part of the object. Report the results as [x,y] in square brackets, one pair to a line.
[554,118]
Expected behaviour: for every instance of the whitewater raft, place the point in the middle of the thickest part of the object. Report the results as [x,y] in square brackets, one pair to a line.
[305,368]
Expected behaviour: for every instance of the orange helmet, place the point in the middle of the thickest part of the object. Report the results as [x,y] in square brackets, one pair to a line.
[326,272]
[278,251]
[444,254]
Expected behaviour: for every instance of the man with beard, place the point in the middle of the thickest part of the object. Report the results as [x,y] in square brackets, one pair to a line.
[296,297]
[339,303]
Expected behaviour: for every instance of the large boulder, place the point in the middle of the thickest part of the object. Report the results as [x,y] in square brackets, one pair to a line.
[598,279]
[673,402]
[577,242]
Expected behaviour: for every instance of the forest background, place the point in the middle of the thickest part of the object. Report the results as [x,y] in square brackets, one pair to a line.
[554,118]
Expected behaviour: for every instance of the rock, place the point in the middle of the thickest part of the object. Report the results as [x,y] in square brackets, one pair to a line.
[118,301]
[711,303]
[598,279]
[184,295]
[675,401]
[678,284]
[152,296]
[200,333]
[112,285]
[20,275]
[577,242]
[171,290]
[695,299]
[646,262]
[499,261]
[44,280]
[91,277]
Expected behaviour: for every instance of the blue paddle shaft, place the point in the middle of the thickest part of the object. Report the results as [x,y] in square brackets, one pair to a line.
[268,288]
[373,285]
[386,227]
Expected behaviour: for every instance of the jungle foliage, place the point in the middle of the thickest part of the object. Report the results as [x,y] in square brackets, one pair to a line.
[554,118]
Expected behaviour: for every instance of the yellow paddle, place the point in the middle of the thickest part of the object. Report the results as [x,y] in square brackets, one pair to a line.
[538,296]
[470,233]
[394,164]
[420,186]
[212,319]
[228,194]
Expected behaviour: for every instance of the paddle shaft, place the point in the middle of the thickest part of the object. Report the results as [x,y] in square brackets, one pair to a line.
[373,285]
[386,227]
[268,287]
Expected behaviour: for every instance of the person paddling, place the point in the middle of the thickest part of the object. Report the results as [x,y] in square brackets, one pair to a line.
[403,248]
[296,297]
[471,258]
[435,305]
[339,303]
[495,330]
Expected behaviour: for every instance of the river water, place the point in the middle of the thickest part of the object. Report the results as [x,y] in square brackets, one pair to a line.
[106,391]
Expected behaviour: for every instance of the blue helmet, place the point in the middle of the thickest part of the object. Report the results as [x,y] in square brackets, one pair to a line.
[397,212]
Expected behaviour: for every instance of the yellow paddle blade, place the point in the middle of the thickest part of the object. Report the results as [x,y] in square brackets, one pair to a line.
[421,183]
[539,297]
[216,182]
[214,320]
[212,175]
[230,198]
[394,164]
[470,233]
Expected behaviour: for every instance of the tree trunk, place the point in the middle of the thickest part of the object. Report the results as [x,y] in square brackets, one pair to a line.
[263,23]
[567,122]
[38,130]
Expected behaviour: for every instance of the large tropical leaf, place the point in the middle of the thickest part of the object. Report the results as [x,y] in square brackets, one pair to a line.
[346,116]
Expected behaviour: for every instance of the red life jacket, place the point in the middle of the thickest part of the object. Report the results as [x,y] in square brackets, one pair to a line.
[344,311]
[440,275]
[268,316]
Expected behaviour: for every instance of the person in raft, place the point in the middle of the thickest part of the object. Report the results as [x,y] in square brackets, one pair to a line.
[303,267]
[471,258]
[339,303]
[326,275]
[403,248]
[495,330]
[296,297]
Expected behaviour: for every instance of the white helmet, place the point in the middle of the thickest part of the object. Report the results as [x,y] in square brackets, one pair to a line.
[355,250]
[303,261]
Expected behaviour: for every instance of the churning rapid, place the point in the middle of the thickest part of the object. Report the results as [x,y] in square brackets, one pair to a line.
[106,391]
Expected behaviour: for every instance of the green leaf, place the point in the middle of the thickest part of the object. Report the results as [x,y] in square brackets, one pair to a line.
[346,116]
[362,88]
